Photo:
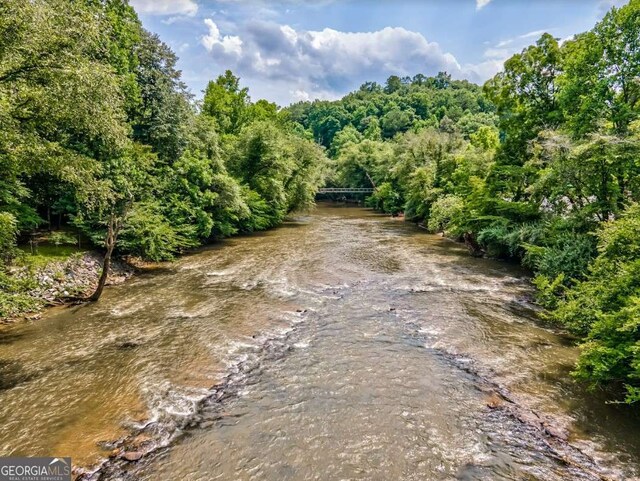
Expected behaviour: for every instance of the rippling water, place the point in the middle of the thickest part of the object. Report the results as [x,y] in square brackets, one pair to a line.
[344,345]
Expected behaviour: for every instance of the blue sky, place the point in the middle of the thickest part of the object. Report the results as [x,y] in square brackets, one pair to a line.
[292,50]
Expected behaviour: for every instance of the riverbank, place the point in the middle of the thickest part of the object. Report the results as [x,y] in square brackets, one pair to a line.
[40,282]
[50,284]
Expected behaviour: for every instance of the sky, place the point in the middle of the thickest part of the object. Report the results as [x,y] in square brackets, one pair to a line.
[291,50]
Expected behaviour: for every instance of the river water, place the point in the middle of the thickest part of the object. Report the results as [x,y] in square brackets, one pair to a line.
[344,345]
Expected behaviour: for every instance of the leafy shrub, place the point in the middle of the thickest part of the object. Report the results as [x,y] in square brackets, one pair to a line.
[148,234]
[14,298]
[605,308]
[568,255]
[386,199]
[504,239]
[61,238]
[8,233]
[444,212]
[260,213]
[548,292]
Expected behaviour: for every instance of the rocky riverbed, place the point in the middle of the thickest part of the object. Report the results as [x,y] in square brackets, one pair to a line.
[344,345]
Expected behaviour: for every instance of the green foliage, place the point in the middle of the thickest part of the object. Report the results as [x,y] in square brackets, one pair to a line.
[60,238]
[601,69]
[261,217]
[404,104]
[226,102]
[549,291]
[53,88]
[395,121]
[282,169]
[13,291]
[8,233]
[98,130]
[500,239]
[386,199]
[348,135]
[485,138]
[566,254]
[595,176]
[605,308]
[45,254]
[14,297]
[149,234]
[163,116]
[524,94]
[444,213]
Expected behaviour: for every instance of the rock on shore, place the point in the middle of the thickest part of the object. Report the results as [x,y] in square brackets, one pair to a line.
[76,276]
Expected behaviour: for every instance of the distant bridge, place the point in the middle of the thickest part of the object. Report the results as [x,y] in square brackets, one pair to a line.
[345,190]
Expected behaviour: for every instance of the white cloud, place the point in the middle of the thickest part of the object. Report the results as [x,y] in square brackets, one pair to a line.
[535,34]
[518,40]
[498,53]
[214,42]
[482,3]
[305,64]
[483,70]
[299,95]
[166,7]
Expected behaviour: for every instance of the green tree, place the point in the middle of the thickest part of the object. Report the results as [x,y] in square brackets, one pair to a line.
[164,113]
[226,102]
[525,96]
[347,135]
[605,308]
[60,108]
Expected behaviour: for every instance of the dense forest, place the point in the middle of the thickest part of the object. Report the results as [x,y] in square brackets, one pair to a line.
[541,165]
[100,133]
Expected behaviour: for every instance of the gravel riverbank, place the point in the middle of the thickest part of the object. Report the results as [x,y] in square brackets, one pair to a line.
[76,276]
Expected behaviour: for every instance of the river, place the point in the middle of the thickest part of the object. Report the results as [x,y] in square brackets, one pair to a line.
[344,345]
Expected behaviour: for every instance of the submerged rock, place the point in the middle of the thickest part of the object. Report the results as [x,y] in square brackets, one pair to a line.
[132,455]
[494,401]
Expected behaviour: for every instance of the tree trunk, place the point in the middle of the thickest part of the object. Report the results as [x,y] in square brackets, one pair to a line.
[474,248]
[370,180]
[110,244]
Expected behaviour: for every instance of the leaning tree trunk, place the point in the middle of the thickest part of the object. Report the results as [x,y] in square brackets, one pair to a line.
[110,244]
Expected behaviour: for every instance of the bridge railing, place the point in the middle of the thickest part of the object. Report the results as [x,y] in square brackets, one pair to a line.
[344,190]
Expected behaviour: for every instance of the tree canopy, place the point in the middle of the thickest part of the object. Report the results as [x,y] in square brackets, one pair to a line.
[98,127]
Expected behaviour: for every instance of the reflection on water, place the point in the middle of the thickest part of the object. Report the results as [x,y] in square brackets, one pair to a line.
[352,346]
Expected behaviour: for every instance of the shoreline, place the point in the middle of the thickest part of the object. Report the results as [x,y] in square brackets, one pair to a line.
[77,276]
[58,280]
